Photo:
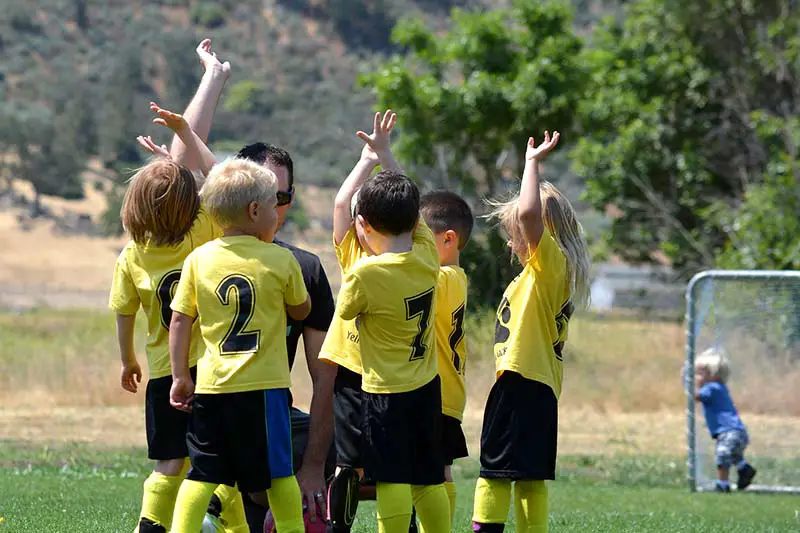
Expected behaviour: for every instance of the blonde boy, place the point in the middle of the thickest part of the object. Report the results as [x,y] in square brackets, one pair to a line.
[711,371]
[238,288]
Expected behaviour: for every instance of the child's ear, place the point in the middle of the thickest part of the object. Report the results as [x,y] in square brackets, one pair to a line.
[450,238]
[364,224]
[252,210]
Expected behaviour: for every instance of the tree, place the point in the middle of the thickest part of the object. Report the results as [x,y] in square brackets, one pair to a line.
[120,124]
[182,71]
[670,139]
[475,94]
[44,152]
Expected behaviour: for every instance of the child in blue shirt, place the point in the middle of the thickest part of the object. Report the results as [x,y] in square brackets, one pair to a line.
[711,371]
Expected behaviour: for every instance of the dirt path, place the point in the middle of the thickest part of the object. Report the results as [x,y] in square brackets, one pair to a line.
[580,432]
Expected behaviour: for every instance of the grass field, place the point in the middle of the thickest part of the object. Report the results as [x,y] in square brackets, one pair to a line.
[79,489]
[71,457]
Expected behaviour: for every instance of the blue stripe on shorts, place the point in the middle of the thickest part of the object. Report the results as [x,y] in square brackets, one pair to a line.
[279,432]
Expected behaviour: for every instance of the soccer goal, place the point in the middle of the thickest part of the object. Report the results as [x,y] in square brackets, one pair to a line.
[754,316]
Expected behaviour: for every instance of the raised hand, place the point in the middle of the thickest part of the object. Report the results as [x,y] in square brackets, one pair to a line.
[377,143]
[537,153]
[171,120]
[209,60]
[148,144]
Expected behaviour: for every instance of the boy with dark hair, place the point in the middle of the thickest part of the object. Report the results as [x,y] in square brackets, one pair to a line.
[450,218]
[392,294]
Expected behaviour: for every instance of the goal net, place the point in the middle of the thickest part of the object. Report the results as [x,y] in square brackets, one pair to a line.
[754,316]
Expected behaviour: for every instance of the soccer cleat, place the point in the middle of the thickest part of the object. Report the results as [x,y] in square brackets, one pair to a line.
[211,524]
[148,526]
[746,475]
[720,488]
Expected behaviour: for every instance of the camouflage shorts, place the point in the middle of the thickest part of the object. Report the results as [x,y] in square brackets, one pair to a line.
[730,448]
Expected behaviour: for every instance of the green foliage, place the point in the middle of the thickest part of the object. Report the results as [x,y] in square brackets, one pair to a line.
[669,140]
[489,266]
[111,219]
[763,228]
[297,215]
[248,96]
[468,96]
[209,14]
[122,108]
[45,156]
[182,75]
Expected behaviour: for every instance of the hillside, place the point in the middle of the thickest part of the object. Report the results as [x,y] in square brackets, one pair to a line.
[294,67]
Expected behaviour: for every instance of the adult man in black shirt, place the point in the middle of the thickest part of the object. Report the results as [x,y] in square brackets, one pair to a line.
[319,435]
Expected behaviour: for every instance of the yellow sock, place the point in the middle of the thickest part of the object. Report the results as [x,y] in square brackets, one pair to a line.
[286,503]
[158,499]
[492,500]
[433,507]
[232,516]
[191,505]
[450,487]
[530,506]
[394,507]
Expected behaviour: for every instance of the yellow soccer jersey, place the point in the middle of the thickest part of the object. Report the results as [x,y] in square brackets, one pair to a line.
[238,288]
[533,316]
[341,344]
[393,295]
[146,276]
[451,344]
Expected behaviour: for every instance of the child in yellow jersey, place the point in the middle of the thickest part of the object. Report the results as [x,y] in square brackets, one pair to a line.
[520,424]
[451,220]
[161,211]
[392,293]
[341,346]
[238,289]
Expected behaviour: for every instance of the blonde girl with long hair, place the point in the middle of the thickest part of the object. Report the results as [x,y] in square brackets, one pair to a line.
[520,425]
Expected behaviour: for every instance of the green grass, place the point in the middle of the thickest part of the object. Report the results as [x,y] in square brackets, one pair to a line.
[80,489]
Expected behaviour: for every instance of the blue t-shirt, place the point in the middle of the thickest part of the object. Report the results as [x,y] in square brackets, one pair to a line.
[721,414]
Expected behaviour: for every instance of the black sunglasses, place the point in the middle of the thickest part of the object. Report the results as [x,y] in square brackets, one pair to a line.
[285,197]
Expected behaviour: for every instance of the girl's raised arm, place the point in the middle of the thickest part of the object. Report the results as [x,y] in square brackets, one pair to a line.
[530,202]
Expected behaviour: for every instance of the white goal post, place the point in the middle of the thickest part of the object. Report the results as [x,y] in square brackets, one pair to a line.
[754,316]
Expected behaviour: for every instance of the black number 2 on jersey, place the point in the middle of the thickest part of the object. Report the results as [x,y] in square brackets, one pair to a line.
[419,306]
[165,292]
[238,291]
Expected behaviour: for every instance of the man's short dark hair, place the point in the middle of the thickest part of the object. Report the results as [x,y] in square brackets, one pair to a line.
[262,153]
[445,210]
[389,202]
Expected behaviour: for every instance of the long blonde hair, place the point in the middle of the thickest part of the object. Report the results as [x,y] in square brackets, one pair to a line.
[559,218]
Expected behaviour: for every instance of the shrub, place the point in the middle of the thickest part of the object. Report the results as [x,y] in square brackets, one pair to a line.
[209,14]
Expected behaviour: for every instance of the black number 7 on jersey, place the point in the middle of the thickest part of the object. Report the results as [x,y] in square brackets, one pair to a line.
[419,306]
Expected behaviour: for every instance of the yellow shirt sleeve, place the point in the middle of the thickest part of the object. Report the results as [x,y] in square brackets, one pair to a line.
[349,251]
[185,299]
[352,299]
[295,293]
[547,259]
[124,298]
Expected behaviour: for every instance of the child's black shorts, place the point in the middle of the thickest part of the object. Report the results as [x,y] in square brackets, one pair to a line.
[454,443]
[348,418]
[520,430]
[403,436]
[166,426]
[241,437]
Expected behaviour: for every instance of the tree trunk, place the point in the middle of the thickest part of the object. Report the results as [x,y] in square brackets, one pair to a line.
[81,17]
[36,208]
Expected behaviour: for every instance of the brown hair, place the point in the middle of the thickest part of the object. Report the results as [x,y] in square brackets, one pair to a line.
[161,203]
